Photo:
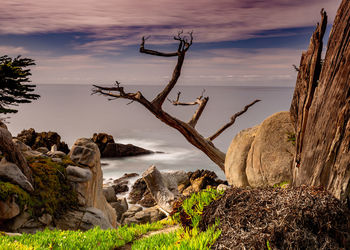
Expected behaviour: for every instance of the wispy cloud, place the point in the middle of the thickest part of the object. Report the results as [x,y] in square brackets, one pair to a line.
[122,22]
[12,51]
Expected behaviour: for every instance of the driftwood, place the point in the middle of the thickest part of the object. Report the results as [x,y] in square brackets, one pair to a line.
[11,152]
[322,110]
[187,129]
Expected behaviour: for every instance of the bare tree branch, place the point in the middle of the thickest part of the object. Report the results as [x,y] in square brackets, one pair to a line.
[202,103]
[154,52]
[187,129]
[232,121]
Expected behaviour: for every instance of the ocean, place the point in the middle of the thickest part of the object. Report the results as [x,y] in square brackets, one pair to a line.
[73,112]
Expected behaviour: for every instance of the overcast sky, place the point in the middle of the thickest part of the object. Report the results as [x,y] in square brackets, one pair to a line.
[236,42]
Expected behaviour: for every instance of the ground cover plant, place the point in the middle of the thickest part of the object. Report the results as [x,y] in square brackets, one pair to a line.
[91,239]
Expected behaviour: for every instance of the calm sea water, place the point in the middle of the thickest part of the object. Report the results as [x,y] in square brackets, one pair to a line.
[71,111]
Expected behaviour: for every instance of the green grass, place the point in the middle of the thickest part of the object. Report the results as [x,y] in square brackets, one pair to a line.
[189,213]
[187,237]
[92,239]
[180,239]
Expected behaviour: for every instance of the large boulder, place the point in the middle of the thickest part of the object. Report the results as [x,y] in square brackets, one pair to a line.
[262,156]
[271,154]
[90,193]
[44,139]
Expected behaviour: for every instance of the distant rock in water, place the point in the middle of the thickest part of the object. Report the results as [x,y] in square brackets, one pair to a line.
[43,139]
[109,148]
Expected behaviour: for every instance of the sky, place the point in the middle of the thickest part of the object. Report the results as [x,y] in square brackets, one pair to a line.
[236,42]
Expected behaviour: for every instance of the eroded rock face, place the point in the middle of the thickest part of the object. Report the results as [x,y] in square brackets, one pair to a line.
[270,155]
[90,193]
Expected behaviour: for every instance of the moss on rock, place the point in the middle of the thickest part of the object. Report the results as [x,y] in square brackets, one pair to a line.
[52,192]
[8,189]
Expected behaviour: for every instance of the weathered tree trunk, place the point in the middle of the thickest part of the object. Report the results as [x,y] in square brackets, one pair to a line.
[321,110]
[12,153]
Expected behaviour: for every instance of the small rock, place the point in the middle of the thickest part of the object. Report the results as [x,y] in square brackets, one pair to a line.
[110,195]
[43,150]
[9,208]
[120,188]
[59,160]
[46,219]
[125,177]
[56,154]
[222,187]
[19,221]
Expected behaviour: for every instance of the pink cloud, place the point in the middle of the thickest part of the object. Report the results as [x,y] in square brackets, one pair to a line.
[219,20]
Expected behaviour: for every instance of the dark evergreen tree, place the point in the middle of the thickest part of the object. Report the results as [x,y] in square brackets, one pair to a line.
[14,79]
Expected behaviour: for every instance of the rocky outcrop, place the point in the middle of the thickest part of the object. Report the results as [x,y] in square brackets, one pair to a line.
[321,110]
[90,194]
[262,156]
[44,139]
[109,148]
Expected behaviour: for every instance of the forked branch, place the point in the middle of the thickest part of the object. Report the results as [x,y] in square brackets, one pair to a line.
[232,121]
[187,129]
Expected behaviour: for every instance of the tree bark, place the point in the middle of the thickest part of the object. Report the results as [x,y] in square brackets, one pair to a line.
[321,116]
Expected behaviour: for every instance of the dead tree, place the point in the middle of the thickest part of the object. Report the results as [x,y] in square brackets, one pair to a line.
[187,129]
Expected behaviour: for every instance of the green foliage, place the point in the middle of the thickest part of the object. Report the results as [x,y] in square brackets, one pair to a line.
[190,211]
[291,138]
[14,79]
[180,239]
[8,190]
[283,184]
[268,245]
[92,239]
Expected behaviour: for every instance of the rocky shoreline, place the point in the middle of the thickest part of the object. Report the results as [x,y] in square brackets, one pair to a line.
[91,203]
